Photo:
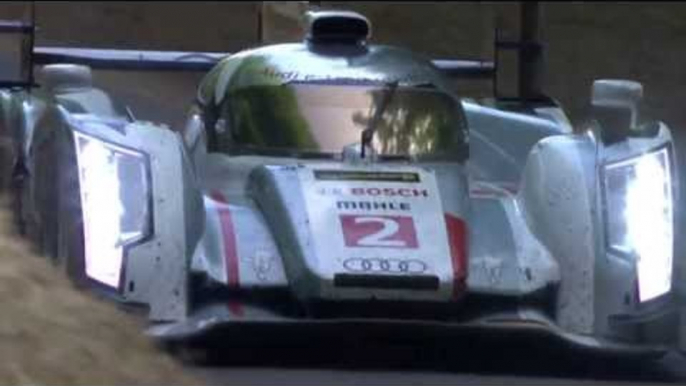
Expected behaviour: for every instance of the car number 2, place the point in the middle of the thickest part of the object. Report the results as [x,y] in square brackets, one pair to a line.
[378,239]
[379,231]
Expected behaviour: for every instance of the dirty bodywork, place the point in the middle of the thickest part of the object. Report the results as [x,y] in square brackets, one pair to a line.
[338,182]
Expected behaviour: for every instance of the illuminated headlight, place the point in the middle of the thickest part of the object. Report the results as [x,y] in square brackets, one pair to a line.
[115,204]
[639,202]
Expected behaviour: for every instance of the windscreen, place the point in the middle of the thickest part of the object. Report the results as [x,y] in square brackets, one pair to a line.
[322,119]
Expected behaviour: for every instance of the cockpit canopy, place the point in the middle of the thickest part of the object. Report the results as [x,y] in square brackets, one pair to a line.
[317,97]
[322,119]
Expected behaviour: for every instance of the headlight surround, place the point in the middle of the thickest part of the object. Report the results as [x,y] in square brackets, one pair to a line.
[639,218]
[115,204]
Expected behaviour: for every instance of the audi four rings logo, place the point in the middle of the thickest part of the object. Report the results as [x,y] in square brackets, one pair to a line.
[358,264]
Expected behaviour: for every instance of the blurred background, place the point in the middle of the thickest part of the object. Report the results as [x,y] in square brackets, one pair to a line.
[584,41]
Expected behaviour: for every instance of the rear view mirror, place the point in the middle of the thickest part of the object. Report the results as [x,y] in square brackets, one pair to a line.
[16,46]
[614,104]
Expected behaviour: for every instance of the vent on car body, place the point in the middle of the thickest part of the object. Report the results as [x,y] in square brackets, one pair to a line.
[409,282]
[337,27]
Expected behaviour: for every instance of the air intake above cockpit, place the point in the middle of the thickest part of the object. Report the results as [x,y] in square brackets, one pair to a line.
[344,27]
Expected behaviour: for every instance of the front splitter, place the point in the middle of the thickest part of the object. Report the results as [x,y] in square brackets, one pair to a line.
[264,326]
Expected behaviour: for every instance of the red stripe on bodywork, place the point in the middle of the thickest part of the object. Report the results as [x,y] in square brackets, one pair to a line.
[230,249]
[457,237]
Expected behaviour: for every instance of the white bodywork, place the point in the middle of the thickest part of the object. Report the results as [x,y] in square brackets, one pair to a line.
[521,224]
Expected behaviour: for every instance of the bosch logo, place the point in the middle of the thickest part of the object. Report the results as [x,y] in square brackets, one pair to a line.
[389,192]
[359,264]
[374,192]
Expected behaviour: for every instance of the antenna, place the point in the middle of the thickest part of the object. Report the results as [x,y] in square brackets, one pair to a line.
[32,41]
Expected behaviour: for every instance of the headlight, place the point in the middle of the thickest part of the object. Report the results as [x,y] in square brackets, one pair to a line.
[115,199]
[638,196]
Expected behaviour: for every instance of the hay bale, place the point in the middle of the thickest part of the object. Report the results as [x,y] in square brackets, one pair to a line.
[50,333]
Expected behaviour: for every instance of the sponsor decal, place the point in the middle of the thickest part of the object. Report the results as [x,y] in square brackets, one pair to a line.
[389,221]
[273,74]
[379,231]
[373,205]
[262,263]
[346,175]
[381,265]
[373,192]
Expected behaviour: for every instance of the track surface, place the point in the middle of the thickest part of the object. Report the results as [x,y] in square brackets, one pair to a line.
[504,362]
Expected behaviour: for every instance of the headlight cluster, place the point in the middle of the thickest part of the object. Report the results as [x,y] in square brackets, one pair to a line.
[115,202]
[639,212]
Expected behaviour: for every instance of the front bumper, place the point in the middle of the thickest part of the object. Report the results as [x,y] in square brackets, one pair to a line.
[262,326]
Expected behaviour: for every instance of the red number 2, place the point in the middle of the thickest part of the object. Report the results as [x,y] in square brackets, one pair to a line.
[379,231]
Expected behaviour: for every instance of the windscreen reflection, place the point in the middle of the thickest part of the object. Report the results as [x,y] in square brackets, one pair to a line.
[326,118]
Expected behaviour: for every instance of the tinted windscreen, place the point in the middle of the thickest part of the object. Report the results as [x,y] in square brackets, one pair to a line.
[319,118]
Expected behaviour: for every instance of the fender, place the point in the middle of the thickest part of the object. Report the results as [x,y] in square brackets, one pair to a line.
[563,197]
[154,270]
[159,268]
[558,184]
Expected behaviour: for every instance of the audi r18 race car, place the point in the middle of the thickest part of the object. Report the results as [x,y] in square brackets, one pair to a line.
[336,183]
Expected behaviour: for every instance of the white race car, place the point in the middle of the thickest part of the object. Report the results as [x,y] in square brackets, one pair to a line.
[334,183]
